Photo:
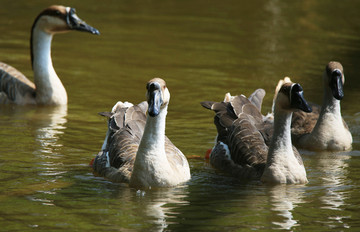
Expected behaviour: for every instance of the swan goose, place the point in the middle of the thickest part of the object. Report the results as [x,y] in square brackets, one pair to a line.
[136,150]
[47,89]
[324,128]
[244,151]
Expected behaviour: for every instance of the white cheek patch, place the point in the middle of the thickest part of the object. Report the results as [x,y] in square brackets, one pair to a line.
[227,151]
[166,96]
[291,92]
[67,15]
[53,24]
[107,160]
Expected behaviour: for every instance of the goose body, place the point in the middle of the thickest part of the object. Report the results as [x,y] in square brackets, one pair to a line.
[245,150]
[324,128]
[136,149]
[47,90]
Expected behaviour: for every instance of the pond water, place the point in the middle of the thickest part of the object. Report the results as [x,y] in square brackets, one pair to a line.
[203,49]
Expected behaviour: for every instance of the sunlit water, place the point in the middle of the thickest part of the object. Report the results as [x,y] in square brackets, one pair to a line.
[203,50]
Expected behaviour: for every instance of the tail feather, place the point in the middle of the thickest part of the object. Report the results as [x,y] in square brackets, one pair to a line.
[257,97]
[207,104]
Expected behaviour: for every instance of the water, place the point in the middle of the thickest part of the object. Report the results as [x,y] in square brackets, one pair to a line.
[203,50]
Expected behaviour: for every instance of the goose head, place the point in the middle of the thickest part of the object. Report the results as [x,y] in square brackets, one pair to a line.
[58,19]
[291,97]
[157,95]
[334,78]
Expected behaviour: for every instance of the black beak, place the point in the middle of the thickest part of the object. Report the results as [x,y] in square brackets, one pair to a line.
[154,99]
[297,99]
[75,23]
[336,84]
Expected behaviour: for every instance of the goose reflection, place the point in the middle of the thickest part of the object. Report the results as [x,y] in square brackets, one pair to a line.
[155,208]
[333,168]
[284,199]
[160,205]
[45,123]
[50,123]
[331,177]
[34,135]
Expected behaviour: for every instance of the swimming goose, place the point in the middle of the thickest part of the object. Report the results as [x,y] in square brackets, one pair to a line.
[324,128]
[48,89]
[136,149]
[241,149]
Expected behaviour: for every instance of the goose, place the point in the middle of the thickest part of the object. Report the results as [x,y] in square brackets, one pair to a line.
[136,149]
[242,148]
[324,128]
[47,90]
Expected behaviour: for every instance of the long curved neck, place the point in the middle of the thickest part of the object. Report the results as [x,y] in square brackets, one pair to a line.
[281,142]
[330,104]
[282,165]
[330,114]
[151,166]
[49,89]
[154,132]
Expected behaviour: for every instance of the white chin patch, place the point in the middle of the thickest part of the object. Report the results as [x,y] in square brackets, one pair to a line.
[107,160]
[227,153]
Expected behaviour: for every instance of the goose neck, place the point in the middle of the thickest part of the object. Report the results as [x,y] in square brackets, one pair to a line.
[154,132]
[151,167]
[41,52]
[283,166]
[330,104]
[49,89]
[281,141]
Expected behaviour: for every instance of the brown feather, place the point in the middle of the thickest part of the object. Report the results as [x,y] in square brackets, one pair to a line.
[126,128]
[14,85]
[239,125]
[303,123]
[219,160]
[257,97]
[242,127]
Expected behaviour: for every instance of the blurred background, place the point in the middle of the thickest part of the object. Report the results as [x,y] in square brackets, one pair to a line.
[203,49]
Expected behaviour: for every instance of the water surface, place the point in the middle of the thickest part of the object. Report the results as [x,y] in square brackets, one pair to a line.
[203,50]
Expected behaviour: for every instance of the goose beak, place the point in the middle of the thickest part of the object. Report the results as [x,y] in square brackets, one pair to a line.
[336,84]
[154,99]
[297,99]
[75,23]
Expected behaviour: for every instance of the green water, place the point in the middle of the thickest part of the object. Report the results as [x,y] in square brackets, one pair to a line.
[203,49]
